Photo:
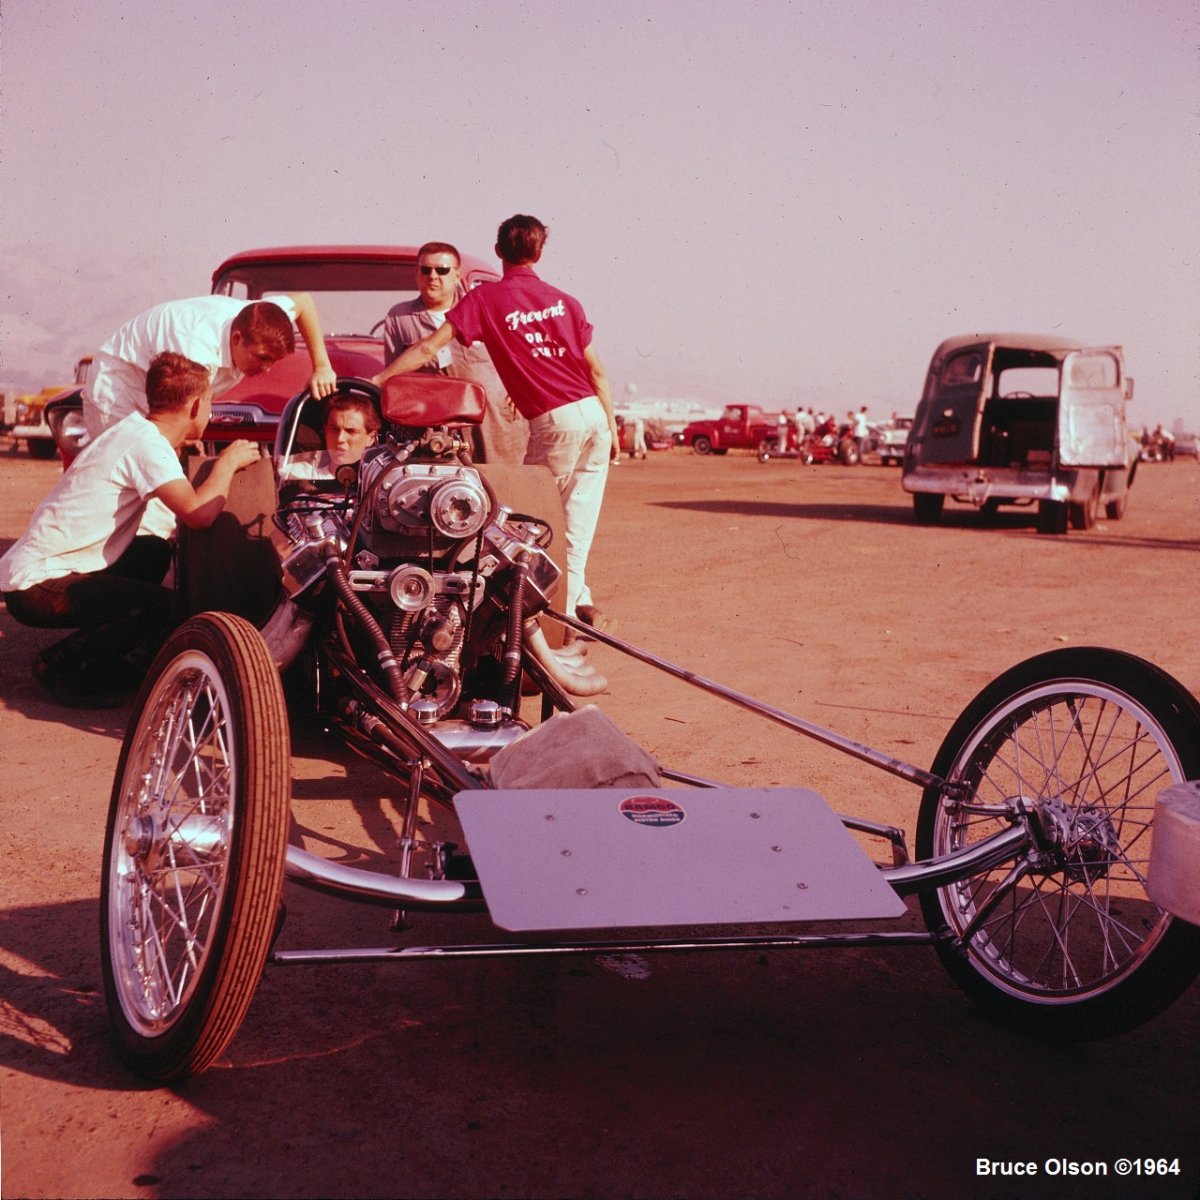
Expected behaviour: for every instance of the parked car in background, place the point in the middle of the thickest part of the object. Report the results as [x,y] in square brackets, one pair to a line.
[892,437]
[353,286]
[29,420]
[1023,419]
[739,427]
[1187,445]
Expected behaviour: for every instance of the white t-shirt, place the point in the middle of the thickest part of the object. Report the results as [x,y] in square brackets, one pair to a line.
[197,328]
[93,512]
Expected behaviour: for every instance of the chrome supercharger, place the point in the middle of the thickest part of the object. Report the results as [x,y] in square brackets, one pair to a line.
[418,610]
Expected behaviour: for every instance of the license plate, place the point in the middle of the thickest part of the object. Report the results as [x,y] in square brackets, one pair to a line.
[945,429]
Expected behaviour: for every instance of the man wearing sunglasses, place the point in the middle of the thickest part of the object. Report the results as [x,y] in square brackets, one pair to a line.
[541,343]
[504,433]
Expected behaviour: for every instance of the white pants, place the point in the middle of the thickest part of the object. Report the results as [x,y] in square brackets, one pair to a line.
[574,442]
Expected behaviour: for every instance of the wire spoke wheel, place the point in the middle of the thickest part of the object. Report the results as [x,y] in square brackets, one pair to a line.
[1066,941]
[193,855]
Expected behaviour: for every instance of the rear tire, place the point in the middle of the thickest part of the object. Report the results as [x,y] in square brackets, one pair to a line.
[1052,517]
[1075,949]
[194,849]
[927,507]
[1083,515]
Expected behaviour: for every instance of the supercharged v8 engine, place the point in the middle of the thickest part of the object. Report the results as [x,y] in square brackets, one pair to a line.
[435,580]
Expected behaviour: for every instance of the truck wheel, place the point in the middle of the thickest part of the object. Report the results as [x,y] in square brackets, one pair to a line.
[1051,517]
[848,453]
[927,507]
[1083,515]
[764,450]
[42,448]
[701,444]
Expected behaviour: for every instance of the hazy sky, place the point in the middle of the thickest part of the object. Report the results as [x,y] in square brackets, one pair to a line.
[782,202]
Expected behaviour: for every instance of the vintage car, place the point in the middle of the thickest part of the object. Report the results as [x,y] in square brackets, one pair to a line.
[33,414]
[893,437]
[1017,418]
[353,286]
[739,427]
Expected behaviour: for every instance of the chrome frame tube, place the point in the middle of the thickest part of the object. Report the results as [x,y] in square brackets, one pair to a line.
[393,891]
[300,866]
[814,941]
[952,868]
[885,762]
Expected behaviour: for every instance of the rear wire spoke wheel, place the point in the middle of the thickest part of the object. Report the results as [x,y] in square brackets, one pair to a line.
[194,848]
[1075,949]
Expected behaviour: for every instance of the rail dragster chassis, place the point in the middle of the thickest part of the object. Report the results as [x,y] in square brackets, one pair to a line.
[417,607]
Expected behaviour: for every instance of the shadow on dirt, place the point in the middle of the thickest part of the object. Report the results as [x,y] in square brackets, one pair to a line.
[1021,522]
[20,692]
[743,1074]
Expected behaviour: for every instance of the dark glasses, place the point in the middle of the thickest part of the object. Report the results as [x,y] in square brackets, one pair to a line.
[430,270]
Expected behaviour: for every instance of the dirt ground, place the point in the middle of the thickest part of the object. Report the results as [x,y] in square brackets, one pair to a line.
[844,1074]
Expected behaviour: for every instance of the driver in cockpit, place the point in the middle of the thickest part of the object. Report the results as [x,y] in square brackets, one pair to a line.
[351,425]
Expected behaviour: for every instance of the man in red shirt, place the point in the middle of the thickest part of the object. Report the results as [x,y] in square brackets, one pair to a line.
[541,344]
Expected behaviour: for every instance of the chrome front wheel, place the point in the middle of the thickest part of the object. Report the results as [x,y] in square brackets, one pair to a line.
[194,848]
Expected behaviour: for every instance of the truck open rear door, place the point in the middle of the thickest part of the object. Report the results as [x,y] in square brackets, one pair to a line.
[1091,411]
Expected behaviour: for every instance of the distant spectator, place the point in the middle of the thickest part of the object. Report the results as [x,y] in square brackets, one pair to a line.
[861,431]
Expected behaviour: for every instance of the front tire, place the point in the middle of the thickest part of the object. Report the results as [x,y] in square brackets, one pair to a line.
[1075,949]
[702,445]
[194,849]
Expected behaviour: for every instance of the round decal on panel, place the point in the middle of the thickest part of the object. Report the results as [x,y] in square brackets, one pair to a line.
[651,810]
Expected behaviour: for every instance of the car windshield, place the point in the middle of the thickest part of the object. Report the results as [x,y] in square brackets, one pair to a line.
[351,297]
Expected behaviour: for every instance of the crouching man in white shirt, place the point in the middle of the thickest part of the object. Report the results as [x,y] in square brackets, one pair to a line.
[82,564]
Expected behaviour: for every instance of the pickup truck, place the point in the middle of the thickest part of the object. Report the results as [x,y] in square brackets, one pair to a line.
[739,427]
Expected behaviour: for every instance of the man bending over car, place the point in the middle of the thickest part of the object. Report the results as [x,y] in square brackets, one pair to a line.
[229,338]
[82,565]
